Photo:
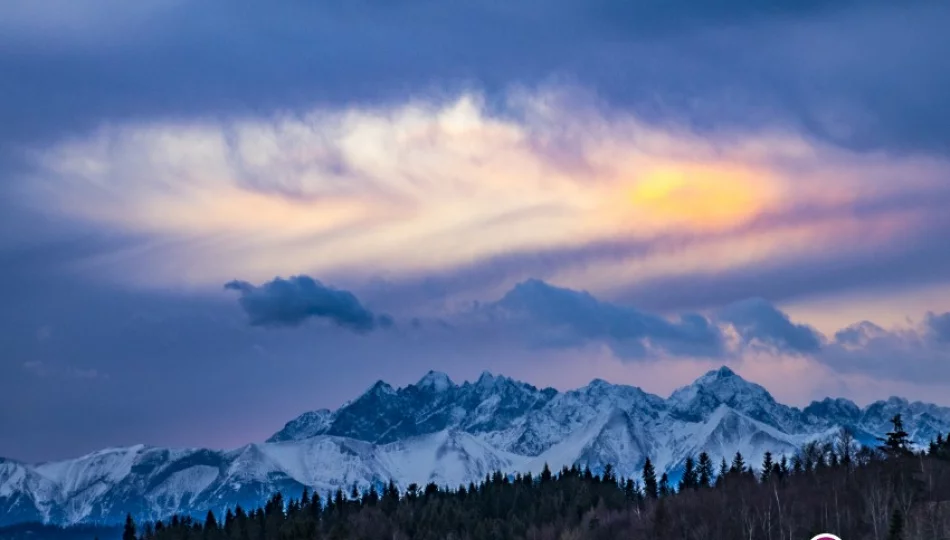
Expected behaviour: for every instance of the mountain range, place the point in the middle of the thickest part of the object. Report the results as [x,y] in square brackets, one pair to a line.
[438,431]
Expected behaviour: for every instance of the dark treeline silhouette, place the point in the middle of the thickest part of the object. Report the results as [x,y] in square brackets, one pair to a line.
[40,531]
[888,493]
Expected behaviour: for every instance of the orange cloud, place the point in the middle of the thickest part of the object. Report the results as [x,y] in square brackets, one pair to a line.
[700,195]
[425,187]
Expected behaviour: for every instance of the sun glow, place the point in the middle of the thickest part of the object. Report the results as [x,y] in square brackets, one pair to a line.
[705,196]
[427,187]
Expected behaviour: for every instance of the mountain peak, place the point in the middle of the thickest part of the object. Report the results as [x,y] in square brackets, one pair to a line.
[380,388]
[435,381]
[724,381]
[486,378]
[718,375]
[723,386]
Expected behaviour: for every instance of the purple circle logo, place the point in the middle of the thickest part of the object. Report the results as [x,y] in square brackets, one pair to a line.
[826,536]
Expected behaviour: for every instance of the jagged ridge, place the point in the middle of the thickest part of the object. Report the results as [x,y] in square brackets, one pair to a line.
[439,431]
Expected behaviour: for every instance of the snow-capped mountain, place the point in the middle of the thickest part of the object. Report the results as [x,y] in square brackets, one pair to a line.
[450,434]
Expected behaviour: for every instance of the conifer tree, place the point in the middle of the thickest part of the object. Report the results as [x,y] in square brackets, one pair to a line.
[897,442]
[608,475]
[767,464]
[128,532]
[650,487]
[797,466]
[704,479]
[210,521]
[372,498]
[723,471]
[210,529]
[664,488]
[629,490]
[690,478]
[738,463]
[545,474]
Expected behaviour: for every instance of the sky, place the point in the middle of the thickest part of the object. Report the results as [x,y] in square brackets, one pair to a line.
[215,216]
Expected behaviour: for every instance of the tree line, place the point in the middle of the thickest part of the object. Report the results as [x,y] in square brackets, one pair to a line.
[886,493]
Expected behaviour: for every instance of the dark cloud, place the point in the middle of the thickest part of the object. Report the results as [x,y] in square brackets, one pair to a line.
[290,302]
[758,321]
[858,334]
[565,317]
[858,73]
[915,354]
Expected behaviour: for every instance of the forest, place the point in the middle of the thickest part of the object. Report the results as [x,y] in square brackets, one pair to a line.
[856,492]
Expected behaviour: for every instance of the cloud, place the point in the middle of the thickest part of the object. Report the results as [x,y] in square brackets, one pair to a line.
[859,334]
[458,189]
[813,65]
[759,322]
[539,315]
[290,302]
[939,326]
[914,353]
[562,317]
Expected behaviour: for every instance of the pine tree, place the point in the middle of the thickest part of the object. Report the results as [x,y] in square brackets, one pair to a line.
[797,466]
[128,532]
[690,478]
[896,529]
[629,490]
[767,464]
[705,470]
[723,471]
[664,488]
[738,463]
[210,521]
[897,442]
[372,498]
[608,476]
[650,487]
[210,531]
[545,474]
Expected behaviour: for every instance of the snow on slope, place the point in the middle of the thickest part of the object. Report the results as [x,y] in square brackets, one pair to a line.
[449,434]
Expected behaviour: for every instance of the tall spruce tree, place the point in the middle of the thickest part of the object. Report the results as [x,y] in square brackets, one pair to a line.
[705,476]
[650,487]
[723,471]
[210,521]
[664,489]
[690,478]
[608,475]
[897,442]
[128,532]
[738,463]
[767,464]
